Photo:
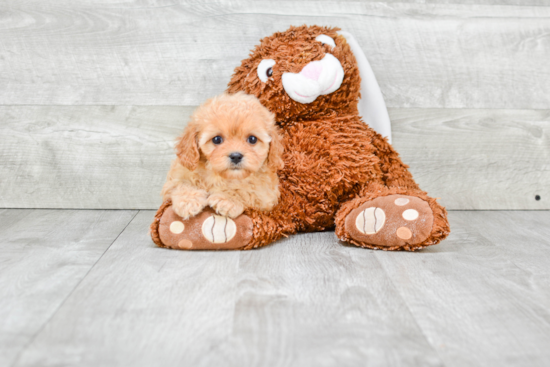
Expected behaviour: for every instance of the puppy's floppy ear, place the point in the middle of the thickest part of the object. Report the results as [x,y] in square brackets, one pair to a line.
[187,149]
[276,148]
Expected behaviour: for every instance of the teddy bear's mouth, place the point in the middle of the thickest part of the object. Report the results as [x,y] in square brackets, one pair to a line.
[317,78]
[323,92]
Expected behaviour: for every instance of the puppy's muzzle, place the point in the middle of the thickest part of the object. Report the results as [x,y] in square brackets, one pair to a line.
[236,158]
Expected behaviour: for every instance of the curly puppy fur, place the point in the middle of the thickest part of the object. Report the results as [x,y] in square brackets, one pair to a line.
[204,174]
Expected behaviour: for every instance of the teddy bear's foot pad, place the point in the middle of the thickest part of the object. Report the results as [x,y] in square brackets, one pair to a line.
[391,221]
[205,231]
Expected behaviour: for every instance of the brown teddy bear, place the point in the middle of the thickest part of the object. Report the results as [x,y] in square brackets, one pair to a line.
[338,172]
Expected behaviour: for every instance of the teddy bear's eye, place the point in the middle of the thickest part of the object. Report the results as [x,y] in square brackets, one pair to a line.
[217,140]
[265,69]
[252,139]
[326,40]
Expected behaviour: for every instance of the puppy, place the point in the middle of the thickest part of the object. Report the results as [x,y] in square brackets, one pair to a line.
[228,157]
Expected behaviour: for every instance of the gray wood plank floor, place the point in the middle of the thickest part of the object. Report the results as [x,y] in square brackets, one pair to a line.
[44,254]
[89,288]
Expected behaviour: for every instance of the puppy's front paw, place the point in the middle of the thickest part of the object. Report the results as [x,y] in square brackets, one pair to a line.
[224,206]
[189,204]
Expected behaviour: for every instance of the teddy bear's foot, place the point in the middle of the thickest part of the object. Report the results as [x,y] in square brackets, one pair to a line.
[205,231]
[391,222]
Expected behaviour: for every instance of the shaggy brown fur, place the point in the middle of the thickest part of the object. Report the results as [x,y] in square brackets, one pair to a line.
[333,161]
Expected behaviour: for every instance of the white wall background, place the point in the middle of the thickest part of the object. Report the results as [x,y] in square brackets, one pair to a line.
[93,93]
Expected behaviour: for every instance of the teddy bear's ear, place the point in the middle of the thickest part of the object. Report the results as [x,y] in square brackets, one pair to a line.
[372,107]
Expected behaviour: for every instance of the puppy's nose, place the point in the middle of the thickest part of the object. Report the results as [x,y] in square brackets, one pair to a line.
[235,157]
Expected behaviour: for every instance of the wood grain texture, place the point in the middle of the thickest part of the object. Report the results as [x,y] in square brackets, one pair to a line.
[477,159]
[117,157]
[461,2]
[478,299]
[160,52]
[142,306]
[44,254]
[310,301]
[86,156]
[301,302]
[482,297]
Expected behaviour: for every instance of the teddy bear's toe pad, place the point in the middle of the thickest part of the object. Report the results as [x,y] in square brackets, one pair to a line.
[205,231]
[391,221]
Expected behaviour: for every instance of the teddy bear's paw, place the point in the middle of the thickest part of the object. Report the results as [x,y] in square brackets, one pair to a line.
[392,221]
[206,231]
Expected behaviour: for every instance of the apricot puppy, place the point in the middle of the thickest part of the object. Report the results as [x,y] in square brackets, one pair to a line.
[228,157]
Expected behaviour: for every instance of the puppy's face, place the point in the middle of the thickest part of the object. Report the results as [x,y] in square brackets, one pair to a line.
[234,146]
[232,135]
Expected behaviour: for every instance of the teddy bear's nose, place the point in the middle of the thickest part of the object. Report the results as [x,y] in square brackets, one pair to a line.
[312,70]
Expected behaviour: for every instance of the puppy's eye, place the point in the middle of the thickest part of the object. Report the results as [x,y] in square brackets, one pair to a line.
[265,69]
[252,139]
[217,140]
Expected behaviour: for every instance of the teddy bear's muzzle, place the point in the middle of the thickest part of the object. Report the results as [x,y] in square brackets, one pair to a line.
[315,79]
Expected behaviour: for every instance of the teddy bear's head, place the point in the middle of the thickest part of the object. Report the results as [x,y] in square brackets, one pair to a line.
[304,72]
